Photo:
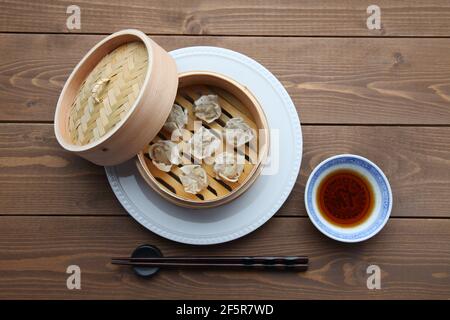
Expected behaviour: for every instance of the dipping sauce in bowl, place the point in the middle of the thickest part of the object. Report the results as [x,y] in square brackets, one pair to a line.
[348,198]
[345,198]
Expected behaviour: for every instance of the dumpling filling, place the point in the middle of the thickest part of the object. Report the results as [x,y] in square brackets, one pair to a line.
[203,143]
[164,154]
[207,108]
[227,167]
[237,132]
[193,178]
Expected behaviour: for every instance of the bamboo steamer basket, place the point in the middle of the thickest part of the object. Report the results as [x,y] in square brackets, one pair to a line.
[235,101]
[117,99]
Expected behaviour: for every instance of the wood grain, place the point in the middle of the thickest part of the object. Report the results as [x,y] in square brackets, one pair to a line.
[356,91]
[216,17]
[414,257]
[415,159]
[34,169]
[331,80]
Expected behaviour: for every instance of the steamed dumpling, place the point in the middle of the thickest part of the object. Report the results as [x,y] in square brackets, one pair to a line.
[227,167]
[193,178]
[164,154]
[177,120]
[207,108]
[204,143]
[237,132]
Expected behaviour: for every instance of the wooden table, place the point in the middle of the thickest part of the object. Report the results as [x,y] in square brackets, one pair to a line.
[383,94]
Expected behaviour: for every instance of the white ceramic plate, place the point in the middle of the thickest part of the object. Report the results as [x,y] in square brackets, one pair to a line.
[265,196]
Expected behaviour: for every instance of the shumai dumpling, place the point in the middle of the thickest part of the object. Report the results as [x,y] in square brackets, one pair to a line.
[227,167]
[164,154]
[204,143]
[207,108]
[193,178]
[237,132]
[177,120]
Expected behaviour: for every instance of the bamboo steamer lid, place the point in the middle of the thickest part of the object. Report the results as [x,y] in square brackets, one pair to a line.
[117,98]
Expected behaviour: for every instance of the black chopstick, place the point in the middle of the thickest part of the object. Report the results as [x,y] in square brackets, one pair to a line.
[298,262]
[298,267]
[236,259]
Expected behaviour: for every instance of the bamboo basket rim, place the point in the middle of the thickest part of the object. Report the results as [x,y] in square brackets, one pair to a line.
[141,36]
[253,175]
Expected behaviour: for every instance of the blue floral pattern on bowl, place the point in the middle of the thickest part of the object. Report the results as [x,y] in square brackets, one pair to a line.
[382,183]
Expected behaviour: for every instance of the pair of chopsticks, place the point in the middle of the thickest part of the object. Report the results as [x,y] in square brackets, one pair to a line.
[297,263]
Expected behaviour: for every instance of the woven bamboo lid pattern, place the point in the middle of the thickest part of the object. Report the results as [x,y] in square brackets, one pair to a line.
[116,99]
[108,92]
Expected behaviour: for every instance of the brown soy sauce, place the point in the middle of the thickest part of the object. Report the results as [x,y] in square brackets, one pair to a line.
[345,198]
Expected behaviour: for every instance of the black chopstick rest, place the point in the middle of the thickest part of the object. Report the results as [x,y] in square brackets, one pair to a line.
[146,251]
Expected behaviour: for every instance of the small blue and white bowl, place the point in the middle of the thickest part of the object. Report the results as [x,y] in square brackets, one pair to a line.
[382,192]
